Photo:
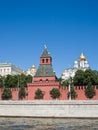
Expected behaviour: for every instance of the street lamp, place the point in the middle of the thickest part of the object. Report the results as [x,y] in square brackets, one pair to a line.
[69,89]
[18,81]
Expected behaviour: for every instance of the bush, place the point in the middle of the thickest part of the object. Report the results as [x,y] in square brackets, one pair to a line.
[90,91]
[22,93]
[39,94]
[7,94]
[55,93]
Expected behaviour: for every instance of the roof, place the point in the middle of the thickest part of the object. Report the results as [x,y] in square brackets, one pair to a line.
[45,53]
[45,70]
[9,65]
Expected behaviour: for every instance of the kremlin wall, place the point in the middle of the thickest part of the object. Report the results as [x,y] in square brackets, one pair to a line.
[45,79]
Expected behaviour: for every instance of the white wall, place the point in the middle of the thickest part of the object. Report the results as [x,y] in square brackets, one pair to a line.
[53,108]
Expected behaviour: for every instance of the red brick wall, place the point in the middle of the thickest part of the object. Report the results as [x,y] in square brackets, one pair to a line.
[35,79]
[46,89]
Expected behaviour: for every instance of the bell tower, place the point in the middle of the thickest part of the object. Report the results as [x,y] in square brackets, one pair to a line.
[45,58]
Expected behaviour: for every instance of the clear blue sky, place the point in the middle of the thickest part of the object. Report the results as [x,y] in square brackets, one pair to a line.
[67,27]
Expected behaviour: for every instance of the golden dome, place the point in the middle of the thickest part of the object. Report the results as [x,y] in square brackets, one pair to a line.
[82,57]
[33,67]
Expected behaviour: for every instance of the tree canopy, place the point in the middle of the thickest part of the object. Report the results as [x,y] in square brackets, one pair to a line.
[55,93]
[90,91]
[7,94]
[39,94]
[82,78]
[14,81]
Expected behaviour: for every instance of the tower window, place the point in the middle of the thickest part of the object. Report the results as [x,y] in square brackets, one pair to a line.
[46,60]
[40,80]
[42,60]
[47,80]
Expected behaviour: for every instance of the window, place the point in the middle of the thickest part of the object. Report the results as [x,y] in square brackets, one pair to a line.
[47,80]
[42,60]
[7,70]
[40,80]
[46,60]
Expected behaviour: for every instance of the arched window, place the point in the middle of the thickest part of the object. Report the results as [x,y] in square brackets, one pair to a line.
[42,60]
[40,80]
[47,80]
[46,60]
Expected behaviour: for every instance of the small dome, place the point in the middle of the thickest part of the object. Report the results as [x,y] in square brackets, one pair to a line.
[86,62]
[82,57]
[33,67]
[76,62]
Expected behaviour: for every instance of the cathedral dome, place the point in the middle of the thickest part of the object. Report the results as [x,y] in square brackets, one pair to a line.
[82,57]
[75,62]
[86,62]
[33,67]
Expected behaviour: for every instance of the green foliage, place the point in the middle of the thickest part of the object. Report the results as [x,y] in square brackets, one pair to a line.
[78,78]
[7,94]
[22,93]
[90,76]
[64,83]
[73,93]
[90,91]
[39,94]
[11,81]
[2,79]
[55,93]
[82,78]
[23,80]
[14,81]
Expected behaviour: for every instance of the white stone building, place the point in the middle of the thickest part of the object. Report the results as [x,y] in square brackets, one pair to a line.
[8,68]
[80,64]
[31,71]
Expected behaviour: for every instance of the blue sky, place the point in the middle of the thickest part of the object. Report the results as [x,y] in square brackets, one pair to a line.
[67,27]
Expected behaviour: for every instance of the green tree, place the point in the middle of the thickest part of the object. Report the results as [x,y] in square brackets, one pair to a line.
[14,81]
[55,93]
[78,79]
[7,94]
[22,93]
[63,82]
[82,78]
[90,76]
[23,80]
[90,91]
[2,81]
[39,94]
[11,81]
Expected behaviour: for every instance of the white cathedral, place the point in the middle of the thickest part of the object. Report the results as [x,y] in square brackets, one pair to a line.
[81,64]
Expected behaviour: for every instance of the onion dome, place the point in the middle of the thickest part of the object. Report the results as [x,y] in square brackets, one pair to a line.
[33,67]
[82,57]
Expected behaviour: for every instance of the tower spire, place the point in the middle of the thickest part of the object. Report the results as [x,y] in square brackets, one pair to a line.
[45,46]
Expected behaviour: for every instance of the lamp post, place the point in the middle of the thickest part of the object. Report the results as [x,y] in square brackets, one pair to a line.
[18,81]
[69,89]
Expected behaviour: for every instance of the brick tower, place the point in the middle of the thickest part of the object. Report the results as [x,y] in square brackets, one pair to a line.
[45,78]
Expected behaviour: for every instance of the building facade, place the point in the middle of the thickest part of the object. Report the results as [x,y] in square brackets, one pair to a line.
[45,78]
[8,68]
[80,64]
[31,71]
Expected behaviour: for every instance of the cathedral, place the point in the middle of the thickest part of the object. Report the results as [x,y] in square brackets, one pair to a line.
[80,64]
